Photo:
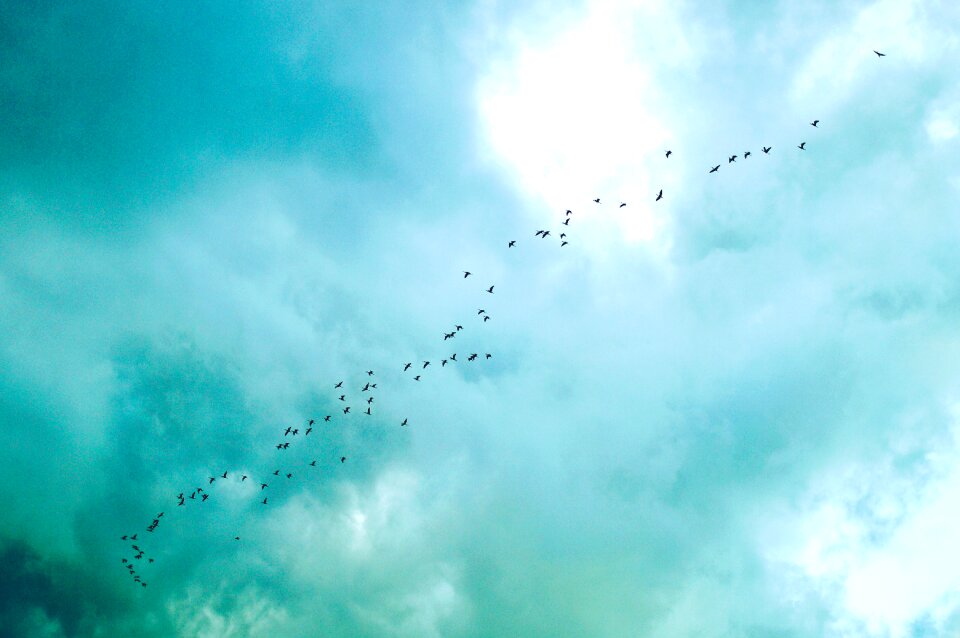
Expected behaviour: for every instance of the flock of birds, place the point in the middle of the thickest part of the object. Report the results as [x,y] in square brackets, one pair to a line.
[365,397]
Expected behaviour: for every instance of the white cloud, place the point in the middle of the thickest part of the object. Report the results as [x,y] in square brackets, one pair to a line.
[577,114]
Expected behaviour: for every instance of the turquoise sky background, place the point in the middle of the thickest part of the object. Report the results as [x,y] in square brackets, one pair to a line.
[731,413]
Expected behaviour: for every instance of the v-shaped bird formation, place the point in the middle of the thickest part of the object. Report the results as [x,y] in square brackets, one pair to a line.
[290,467]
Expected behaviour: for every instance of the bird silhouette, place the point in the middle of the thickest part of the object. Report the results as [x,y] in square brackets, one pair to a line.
[801,147]
[814,123]
[404,422]
[453,357]
[346,410]
[597,200]
[343,459]
[262,486]
[466,273]
[264,501]
[416,378]
[746,155]
[659,196]
[511,243]
[622,204]
[490,289]
[731,159]
[406,366]
[313,464]
[669,153]
[569,212]
[326,418]
[339,384]
[425,364]
[566,222]
[880,55]
[481,311]
[487,317]
[766,149]
[443,363]
[343,397]
[369,373]
[488,355]
[367,412]
[715,169]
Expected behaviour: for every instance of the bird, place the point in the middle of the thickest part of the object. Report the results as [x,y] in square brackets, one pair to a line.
[404,423]
[569,212]
[309,430]
[488,355]
[279,446]
[313,464]
[264,501]
[236,538]
[365,387]
[367,412]
[205,497]
[802,144]
[669,153]
[286,445]
[212,479]
[746,155]
[466,273]
[481,311]
[310,422]
[338,385]
[511,243]
[487,317]
[276,472]
[814,123]
[287,432]
[731,159]
[538,233]
[289,475]
[659,196]
[597,200]
[346,410]
[406,366]
[243,478]
[766,149]
[563,243]
[343,459]
[443,363]
[425,364]
[326,418]
[490,290]
[262,486]
[370,400]
[566,222]
[343,397]
[369,373]
[715,169]
[416,378]
[562,235]
[880,55]
[453,357]
[622,204]
[545,233]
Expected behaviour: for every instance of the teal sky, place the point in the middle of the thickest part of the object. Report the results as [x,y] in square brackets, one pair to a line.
[734,412]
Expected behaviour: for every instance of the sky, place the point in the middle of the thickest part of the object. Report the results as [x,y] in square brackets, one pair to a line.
[733,412]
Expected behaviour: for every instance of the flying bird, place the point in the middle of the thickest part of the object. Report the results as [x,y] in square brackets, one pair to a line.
[416,378]
[346,410]
[715,169]
[343,397]
[622,204]
[404,422]
[425,364]
[597,200]
[264,501]
[766,149]
[313,464]
[453,357]
[367,412]
[566,222]
[731,159]
[326,418]
[481,311]
[406,366]
[466,273]
[563,243]
[880,55]
[243,478]
[490,289]
[814,123]
[343,459]
[511,244]
[369,373]
[487,317]
[746,155]
[443,363]
[659,196]
[569,212]
[802,144]
[488,355]
[545,233]
[669,153]
[338,385]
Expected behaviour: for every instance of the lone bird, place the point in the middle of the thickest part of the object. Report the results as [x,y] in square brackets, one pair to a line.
[346,410]
[404,423]
[715,169]
[659,196]
[406,366]
[369,373]
[490,289]
[466,273]
[814,123]
[563,243]
[313,464]
[731,159]
[487,317]
[340,384]
[343,459]
[802,144]
[597,200]
[669,153]
[880,55]
[622,204]
[367,412]
[425,364]
[511,244]
[569,212]
[746,155]
[264,501]
[416,378]
[766,149]
[566,222]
